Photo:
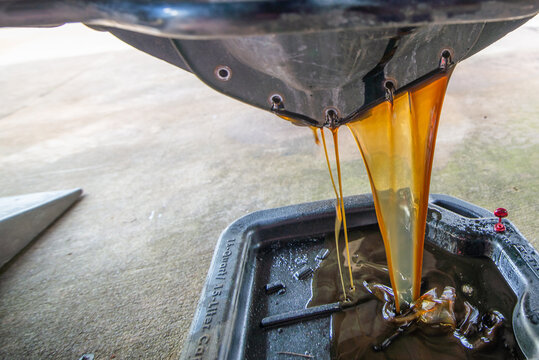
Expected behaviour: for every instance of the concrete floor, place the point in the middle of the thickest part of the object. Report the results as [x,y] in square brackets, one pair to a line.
[166,163]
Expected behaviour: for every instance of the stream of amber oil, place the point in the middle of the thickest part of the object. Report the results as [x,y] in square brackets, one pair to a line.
[335,133]
[338,218]
[397,142]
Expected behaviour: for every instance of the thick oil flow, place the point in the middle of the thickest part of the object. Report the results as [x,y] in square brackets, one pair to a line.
[446,313]
[396,139]
[340,218]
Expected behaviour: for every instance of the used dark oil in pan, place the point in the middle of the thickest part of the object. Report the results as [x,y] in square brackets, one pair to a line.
[473,320]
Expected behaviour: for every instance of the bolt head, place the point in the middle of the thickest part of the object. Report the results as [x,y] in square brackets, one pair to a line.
[501,212]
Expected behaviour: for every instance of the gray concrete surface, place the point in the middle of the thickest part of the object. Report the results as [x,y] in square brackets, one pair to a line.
[167,163]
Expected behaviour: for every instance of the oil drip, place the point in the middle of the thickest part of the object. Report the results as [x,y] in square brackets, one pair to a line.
[315,135]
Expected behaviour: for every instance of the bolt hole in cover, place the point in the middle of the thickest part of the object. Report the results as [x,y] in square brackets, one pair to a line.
[389,85]
[446,54]
[276,99]
[331,112]
[223,73]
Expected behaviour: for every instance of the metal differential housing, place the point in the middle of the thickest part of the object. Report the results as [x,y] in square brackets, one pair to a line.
[311,73]
[308,57]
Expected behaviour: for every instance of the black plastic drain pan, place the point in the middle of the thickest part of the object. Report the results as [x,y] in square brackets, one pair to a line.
[234,302]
